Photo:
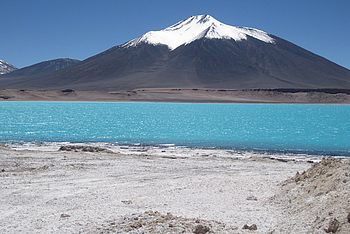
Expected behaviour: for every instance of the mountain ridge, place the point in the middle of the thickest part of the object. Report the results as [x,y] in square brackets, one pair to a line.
[42,68]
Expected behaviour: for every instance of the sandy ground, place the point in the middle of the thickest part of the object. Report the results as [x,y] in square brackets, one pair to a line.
[175,95]
[131,190]
[317,200]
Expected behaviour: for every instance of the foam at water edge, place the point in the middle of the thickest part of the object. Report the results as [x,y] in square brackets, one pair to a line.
[177,151]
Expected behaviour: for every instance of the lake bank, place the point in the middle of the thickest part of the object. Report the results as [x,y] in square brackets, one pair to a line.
[180,95]
[64,191]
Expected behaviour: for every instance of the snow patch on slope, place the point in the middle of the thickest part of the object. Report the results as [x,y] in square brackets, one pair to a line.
[197,27]
[5,67]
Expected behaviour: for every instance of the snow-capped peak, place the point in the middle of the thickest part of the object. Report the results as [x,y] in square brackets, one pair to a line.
[6,67]
[197,27]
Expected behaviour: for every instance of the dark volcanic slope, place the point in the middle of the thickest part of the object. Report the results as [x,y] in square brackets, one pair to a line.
[204,63]
[43,68]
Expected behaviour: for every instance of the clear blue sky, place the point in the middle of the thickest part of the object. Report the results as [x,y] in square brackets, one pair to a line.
[37,30]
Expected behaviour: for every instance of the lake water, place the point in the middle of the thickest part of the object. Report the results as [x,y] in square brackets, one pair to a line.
[314,129]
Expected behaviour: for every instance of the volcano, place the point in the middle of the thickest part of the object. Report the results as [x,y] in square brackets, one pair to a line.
[199,52]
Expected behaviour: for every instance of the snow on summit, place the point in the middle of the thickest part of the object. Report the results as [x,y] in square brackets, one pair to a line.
[197,27]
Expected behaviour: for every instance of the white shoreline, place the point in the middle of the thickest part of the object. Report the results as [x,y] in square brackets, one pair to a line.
[50,191]
[179,151]
[93,188]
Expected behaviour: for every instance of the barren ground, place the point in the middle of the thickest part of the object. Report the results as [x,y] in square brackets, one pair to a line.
[164,191]
[175,95]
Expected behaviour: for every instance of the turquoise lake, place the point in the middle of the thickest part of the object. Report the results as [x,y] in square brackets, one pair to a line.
[314,129]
